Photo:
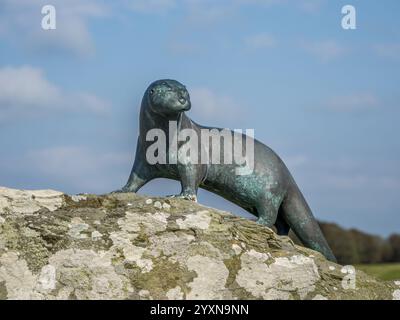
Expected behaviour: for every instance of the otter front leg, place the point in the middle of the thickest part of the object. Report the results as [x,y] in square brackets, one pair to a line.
[141,173]
[190,177]
[135,182]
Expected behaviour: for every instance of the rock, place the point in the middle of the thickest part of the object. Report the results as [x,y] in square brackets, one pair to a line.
[55,246]
[166,206]
[158,205]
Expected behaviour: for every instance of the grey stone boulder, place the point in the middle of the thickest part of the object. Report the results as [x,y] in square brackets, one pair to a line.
[127,246]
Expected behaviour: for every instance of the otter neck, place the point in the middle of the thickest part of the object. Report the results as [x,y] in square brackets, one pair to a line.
[151,120]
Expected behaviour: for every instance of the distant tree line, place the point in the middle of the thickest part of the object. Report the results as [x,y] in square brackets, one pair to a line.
[354,247]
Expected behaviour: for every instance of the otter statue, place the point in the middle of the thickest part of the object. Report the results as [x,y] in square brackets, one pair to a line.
[268,192]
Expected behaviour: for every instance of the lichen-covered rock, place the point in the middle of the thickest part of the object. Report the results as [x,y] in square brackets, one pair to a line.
[125,246]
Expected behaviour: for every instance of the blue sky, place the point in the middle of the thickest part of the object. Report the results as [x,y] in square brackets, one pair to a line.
[324,98]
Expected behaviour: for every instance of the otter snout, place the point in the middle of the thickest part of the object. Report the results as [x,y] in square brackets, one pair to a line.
[185,102]
[187,107]
[168,97]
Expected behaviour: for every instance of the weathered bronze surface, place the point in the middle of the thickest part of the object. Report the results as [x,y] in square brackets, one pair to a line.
[269,192]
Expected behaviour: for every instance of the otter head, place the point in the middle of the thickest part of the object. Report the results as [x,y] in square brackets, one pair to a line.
[168,97]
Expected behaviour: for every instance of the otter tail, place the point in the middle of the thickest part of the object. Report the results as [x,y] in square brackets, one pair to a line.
[296,212]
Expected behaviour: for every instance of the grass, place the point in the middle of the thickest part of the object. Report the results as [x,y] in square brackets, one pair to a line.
[384,271]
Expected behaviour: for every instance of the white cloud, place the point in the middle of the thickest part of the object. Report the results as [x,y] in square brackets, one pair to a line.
[360,182]
[325,51]
[26,91]
[87,102]
[344,173]
[311,6]
[80,168]
[260,2]
[178,47]
[388,50]
[295,161]
[353,103]
[212,108]
[73,160]
[26,86]
[308,6]
[350,189]
[21,20]
[212,11]
[260,41]
[151,6]
[205,12]
[208,12]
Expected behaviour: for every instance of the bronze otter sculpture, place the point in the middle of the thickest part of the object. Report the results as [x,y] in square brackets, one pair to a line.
[268,192]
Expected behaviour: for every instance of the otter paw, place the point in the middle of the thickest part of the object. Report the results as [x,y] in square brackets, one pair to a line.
[117,191]
[263,222]
[123,190]
[190,197]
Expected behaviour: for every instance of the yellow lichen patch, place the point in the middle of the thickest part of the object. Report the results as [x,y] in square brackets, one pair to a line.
[77,227]
[175,293]
[18,280]
[120,247]
[199,220]
[164,277]
[90,275]
[150,222]
[28,202]
[281,279]
[211,279]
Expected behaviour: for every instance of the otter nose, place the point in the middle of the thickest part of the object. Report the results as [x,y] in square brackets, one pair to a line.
[181,97]
[182,100]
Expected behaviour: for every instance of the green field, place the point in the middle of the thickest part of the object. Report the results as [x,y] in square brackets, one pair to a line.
[386,271]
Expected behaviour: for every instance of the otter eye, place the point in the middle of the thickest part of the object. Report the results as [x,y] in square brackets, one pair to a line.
[152,91]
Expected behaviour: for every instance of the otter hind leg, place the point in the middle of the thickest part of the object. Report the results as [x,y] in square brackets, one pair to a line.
[267,213]
[297,213]
[282,227]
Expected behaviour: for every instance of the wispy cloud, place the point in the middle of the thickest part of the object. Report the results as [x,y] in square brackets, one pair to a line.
[350,189]
[205,13]
[296,160]
[80,168]
[388,50]
[260,41]
[178,47]
[22,19]
[25,91]
[324,51]
[213,108]
[211,10]
[360,181]
[343,173]
[259,2]
[151,6]
[311,6]
[353,103]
